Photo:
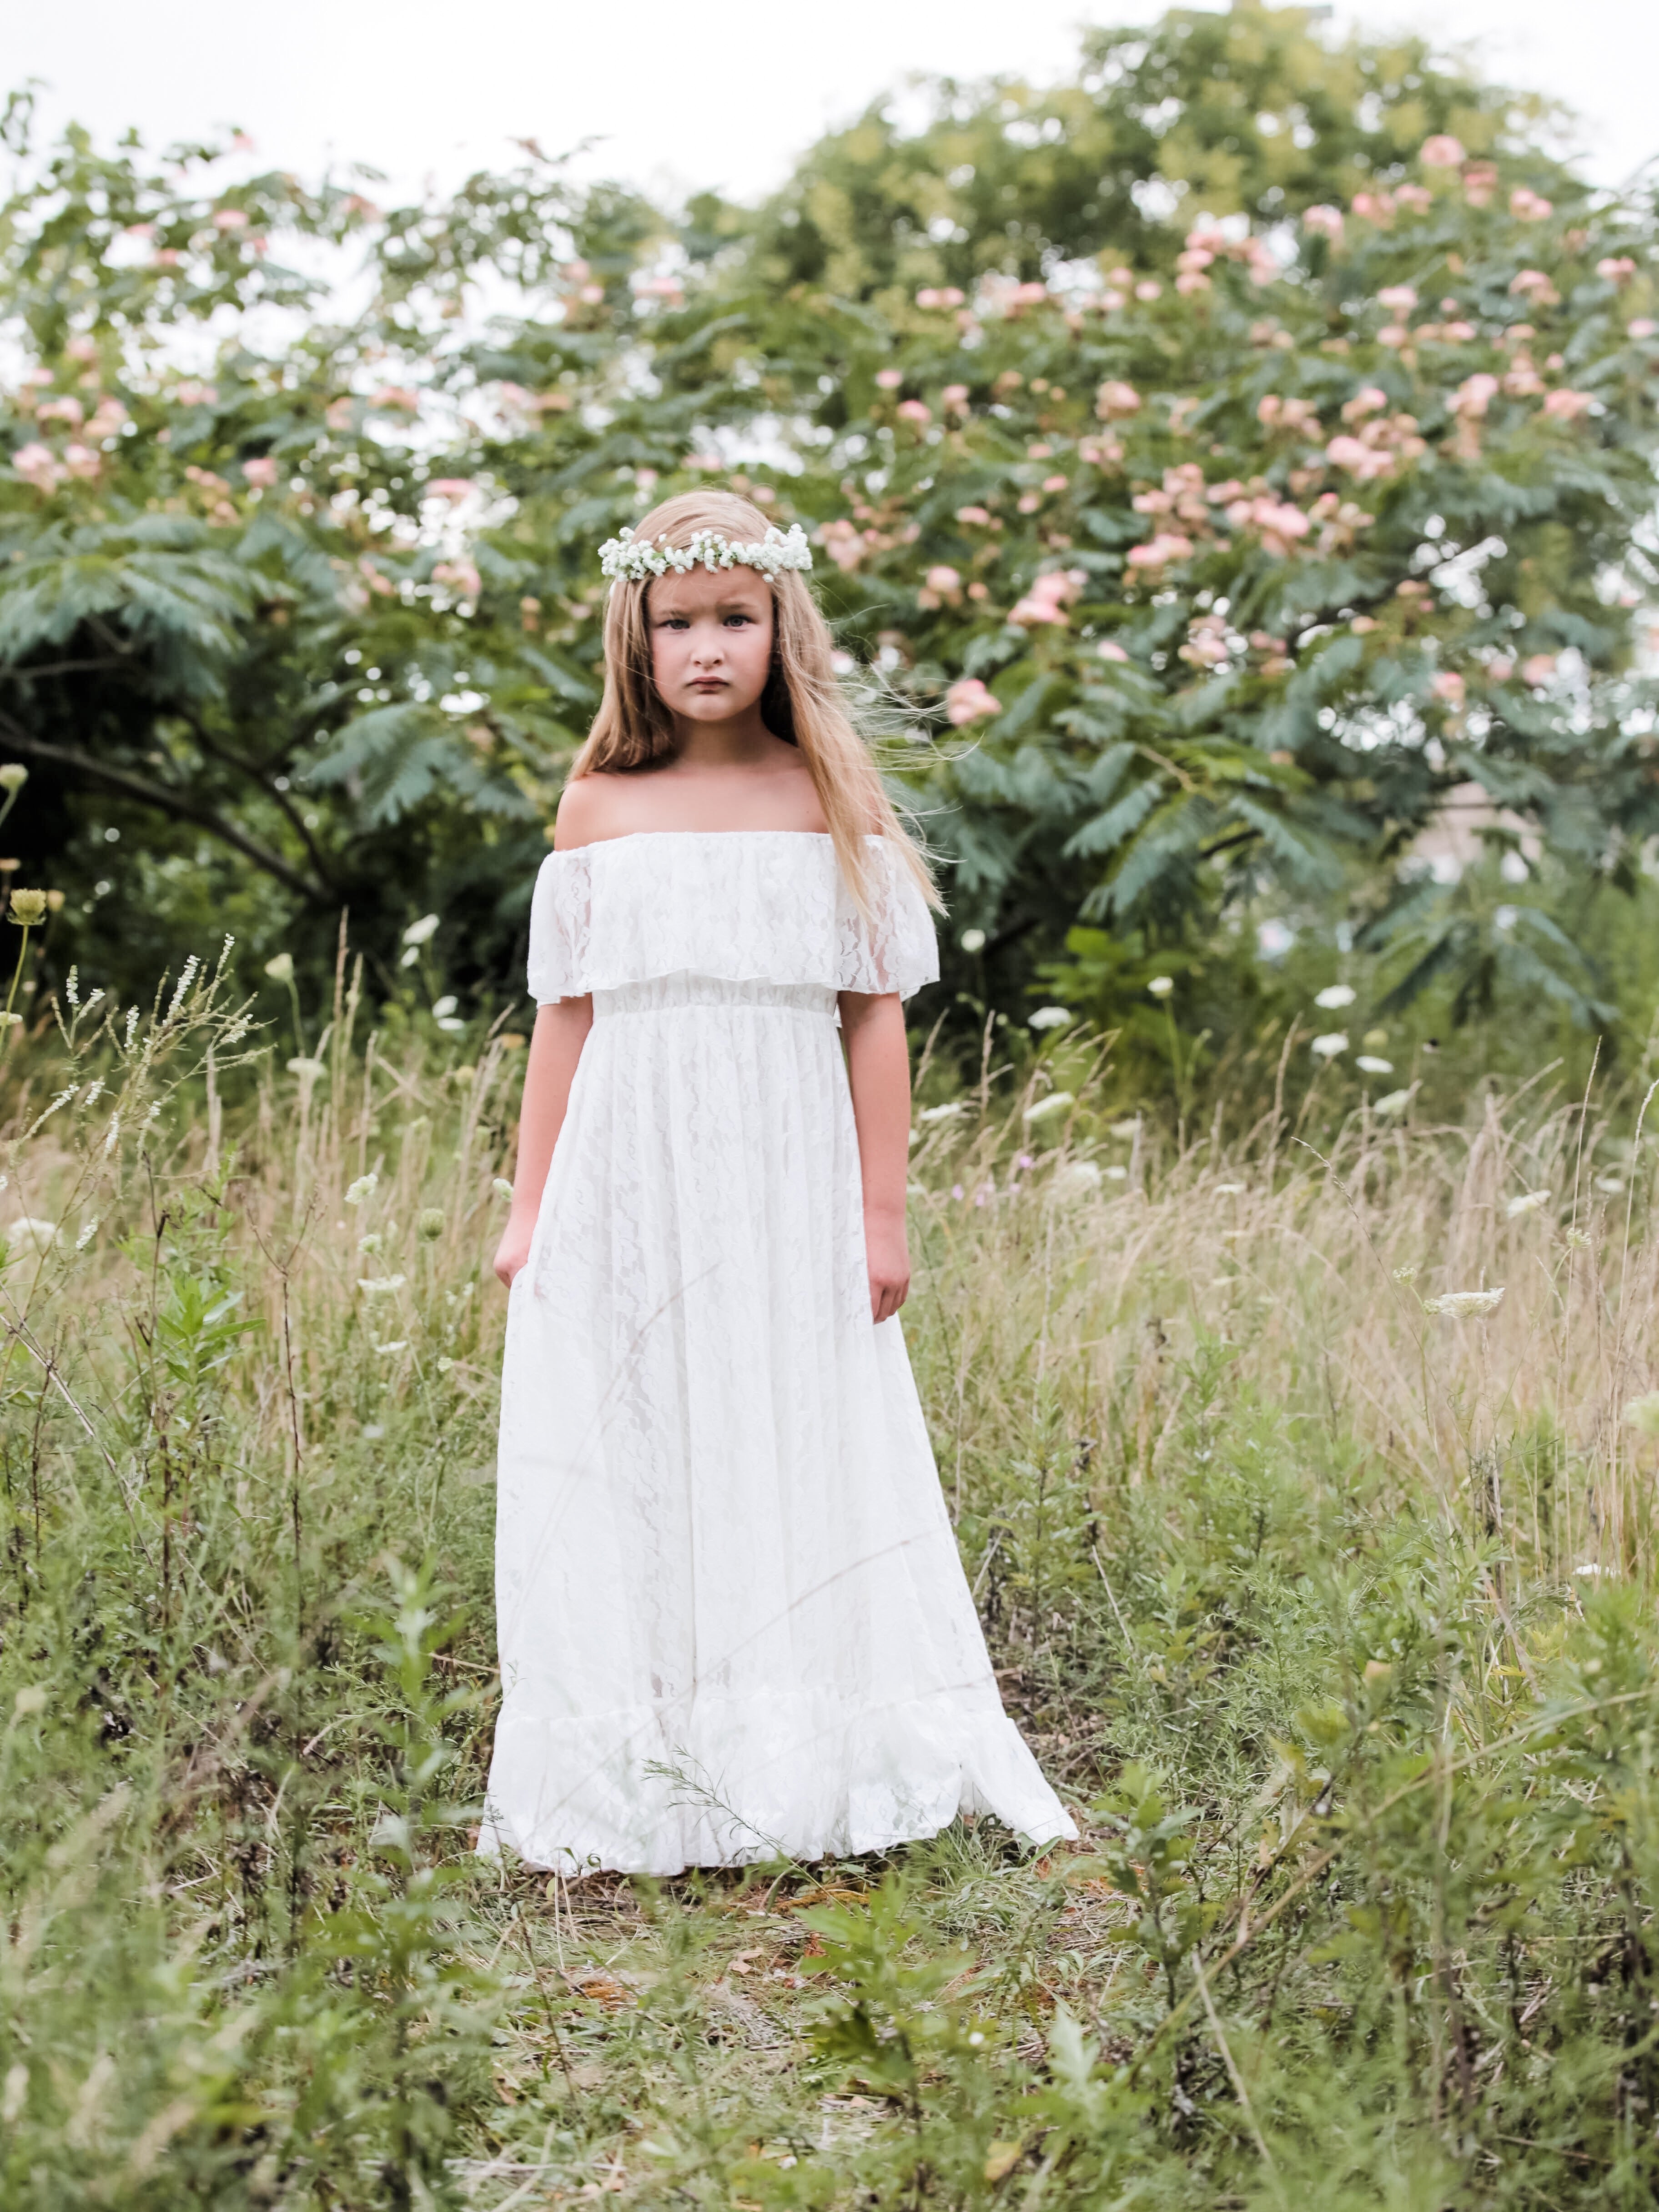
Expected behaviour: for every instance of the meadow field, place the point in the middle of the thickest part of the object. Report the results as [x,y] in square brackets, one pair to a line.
[1303,1472]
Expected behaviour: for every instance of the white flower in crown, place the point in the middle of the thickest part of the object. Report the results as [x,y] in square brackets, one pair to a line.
[631,559]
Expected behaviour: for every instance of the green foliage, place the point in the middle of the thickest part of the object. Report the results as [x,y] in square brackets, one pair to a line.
[1341,458]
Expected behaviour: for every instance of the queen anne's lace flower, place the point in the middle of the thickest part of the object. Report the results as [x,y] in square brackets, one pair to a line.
[631,559]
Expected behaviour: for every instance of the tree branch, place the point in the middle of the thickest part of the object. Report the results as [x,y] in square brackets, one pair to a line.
[177,804]
[210,743]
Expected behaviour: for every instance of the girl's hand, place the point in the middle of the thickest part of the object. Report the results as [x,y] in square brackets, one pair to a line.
[887,1253]
[513,1249]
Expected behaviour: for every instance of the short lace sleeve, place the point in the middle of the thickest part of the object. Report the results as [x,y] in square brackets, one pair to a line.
[896,949]
[560,913]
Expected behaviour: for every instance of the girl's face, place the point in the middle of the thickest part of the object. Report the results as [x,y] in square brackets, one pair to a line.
[711,641]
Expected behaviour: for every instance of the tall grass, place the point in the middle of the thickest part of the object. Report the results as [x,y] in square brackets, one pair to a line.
[1332,1614]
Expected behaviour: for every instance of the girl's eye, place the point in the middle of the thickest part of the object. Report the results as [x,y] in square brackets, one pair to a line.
[738,619]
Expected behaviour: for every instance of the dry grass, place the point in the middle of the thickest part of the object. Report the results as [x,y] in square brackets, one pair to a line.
[1329,1612]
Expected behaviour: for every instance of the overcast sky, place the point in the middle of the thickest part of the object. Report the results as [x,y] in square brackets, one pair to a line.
[678,96]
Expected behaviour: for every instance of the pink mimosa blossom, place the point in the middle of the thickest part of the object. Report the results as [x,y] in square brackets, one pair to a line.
[1449,686]
[1616,269]
[68,410]
[1564,406]
[261,471]
[1442,152]
[193,393]
[38,465]
[450,488]
[1110,649]
[1479,182]
[461,576]
[1149,289]
[1643,327]
[1537,669]
[1499,668]
[1324,222]
[1474,395]
[968,701]
[229,219]
[1418,197]
[1397,299]
[1528,206]
[954,398]
[978,516]
[1115,399]
[914,410]
[944,580]
[81,461]
[889,379]
[1366,401]
[1165,547]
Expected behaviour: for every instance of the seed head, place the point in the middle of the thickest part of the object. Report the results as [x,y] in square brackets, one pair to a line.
[13,775]
[29,908]
[429,1223]
[1465,1305]
[281,969]
[365,1186]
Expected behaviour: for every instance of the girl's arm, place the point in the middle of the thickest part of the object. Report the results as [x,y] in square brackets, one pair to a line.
[555,1046]
[878,1069]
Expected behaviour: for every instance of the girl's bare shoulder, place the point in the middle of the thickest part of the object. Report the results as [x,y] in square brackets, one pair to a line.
[594,807]
[775,795]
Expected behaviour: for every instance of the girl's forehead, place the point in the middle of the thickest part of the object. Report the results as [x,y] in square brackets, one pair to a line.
[700,591]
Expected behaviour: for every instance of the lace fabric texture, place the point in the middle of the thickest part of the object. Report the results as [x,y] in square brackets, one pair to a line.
[742,905]
[731,1615]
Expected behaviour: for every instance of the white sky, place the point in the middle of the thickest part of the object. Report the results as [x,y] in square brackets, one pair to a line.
[678,96]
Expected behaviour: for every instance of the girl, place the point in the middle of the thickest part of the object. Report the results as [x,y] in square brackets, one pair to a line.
[733,1620]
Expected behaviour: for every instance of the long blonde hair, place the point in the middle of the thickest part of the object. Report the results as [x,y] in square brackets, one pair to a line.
[802,703]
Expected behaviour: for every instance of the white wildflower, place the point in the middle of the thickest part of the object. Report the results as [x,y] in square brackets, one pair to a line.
[1123,1131]
[308,1071]
[181,989]
[1048,1017]
[501,1187]
[1612,1184]
[1329,1046]
[1161,985]
[1396,1102]
[972,940]
[1589,1567]
[32,1698]
[446,1005]
[1046,1108]
[372,1243]
[37,1235]
[422,932]
[1369,1064]
[1079,1175]
[948,1112]
[1118,1175]
[1336,995]
[364,1187]
[1643,1414]
[1465,1305]
[1229,1190]
[10,1021]
[113,1135]
[373,1432]
[1528,1202]
[1405,1274]
[281,969]
[15,2095]
[380,1287]
[88,1230]
[401,1344]
[451,1024]
[410,957]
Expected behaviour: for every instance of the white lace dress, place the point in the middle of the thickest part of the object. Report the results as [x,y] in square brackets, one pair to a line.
[732,1616]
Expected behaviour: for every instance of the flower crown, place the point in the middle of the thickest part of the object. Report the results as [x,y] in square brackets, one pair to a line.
[631,559]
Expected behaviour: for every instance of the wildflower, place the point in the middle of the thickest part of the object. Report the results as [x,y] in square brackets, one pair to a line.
[1229,1190]
[422,932]
[281,969]
[1612,1184]
[444,1007]
[373,1432]
[1079,1175]
[429,1223]
[1465,1305]
[1442,151]
[1396,1102]
[501,1187]
[1118,1175]
[1528,1202]
[1048,1017]
[1329,1046]
[1369,1064]
[948,1112]
[1335,995]
[29,908]
[1160,987]
[13,775]
[88,1230]
[972,940]
[400,1345]
[380,1286]
[1589,1567]
[42,1236]
[1110,649]
[1405,1274]
[1046,1108]
[1123,1131]
[371,1242]
[364,1187]
[32,1698]
[1643,1414]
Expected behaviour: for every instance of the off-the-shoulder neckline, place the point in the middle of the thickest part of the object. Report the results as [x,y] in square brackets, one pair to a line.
[631,837]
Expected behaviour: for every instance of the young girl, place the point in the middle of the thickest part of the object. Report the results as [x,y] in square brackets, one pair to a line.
[733,1620]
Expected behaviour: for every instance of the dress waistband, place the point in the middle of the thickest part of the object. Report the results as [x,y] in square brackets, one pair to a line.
[665,993]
